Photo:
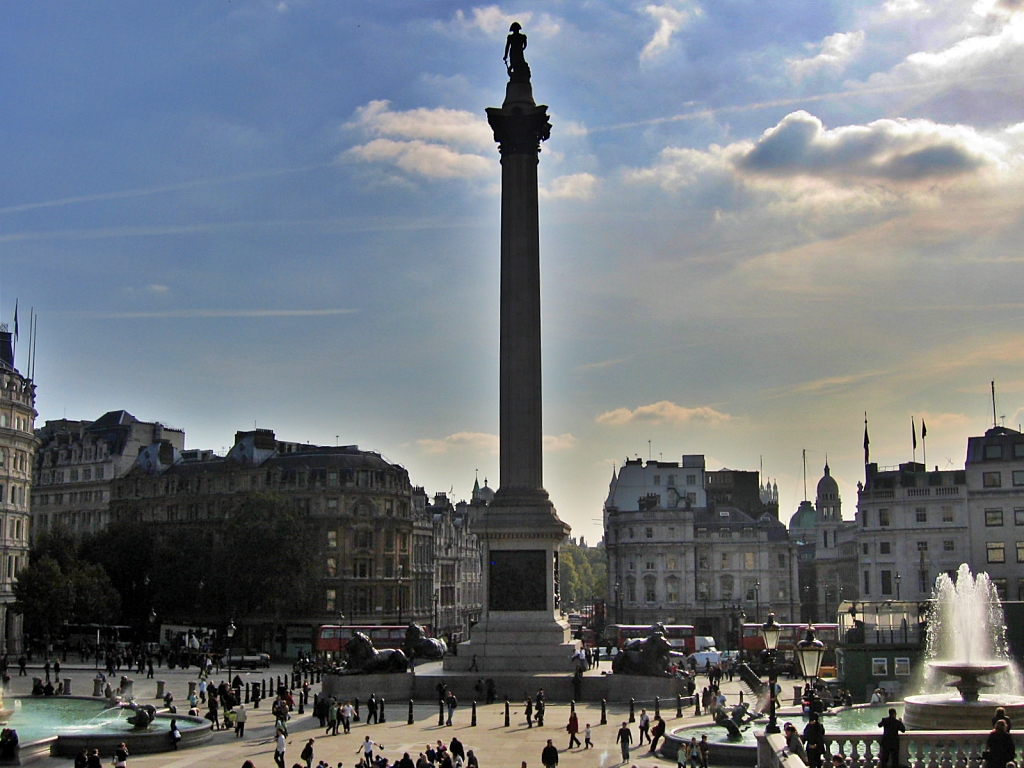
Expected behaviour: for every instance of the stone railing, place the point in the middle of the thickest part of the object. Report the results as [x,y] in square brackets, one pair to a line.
[918,749]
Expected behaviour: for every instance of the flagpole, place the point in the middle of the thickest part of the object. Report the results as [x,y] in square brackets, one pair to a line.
[913,435]
[924,443]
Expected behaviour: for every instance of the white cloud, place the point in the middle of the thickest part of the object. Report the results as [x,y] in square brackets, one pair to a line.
[157,288]
[480,442]
[671,18]
[562,442]
[431,143]
[836,51]
[663,412]
[493,21]
[577,186]
[484,442]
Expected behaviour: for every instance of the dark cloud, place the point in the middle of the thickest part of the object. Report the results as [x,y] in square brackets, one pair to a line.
[894,150]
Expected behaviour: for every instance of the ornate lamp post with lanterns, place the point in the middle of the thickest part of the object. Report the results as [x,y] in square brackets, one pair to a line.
[770,632]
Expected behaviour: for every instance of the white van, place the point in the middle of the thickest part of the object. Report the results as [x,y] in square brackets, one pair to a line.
[701,658]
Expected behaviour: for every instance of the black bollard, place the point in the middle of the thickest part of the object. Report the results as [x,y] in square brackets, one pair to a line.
[246,693]
[657,707]
[411,720]
[355,704]
[264,690]
[507,721]
[679,705]
[632,709]
[472,722]
[302,705]
[604,712]
[380,710]
[440,713]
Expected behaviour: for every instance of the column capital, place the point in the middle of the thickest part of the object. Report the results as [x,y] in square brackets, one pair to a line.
[519,131]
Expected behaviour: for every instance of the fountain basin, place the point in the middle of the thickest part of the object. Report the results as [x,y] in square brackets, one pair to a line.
[948,711]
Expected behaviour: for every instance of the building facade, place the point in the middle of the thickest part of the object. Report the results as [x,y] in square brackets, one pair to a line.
[17,448]
[359,507]
[456,567]
[911,525]
[673,559]
[995,508]
[76,463]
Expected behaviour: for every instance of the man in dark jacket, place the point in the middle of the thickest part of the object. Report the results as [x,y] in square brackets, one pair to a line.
[891,727]
[623,739]
[549,757]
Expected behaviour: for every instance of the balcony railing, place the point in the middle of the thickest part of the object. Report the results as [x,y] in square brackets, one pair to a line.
[918,749]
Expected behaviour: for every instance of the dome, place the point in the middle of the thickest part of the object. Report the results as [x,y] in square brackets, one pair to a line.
[828,488]
[803,518]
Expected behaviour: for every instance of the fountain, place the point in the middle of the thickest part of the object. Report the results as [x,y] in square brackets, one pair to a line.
[966,640]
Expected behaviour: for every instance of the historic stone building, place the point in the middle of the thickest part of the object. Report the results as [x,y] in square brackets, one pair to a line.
[370,543]
[76,463]
[911,525]
[672,558]
[17,446]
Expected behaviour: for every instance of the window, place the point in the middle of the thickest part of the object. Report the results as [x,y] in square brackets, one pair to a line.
[725,559]
[1018,516]
[1020,551]
[885,548]
[632,564]
[671,533]
[631,533]
[864,549]
[947,514]
[782,561]
[923,582]
[749,561]
[704,590]
[331,601]
[691,479]
[649,595]
[1000,585]
[672,481]
[1018,477]
[672,591]
[922,546]
[991,479]
[649,565]
[726,585]
[948,545]
[993,452]
[879,667]
[364,539]
[901,666]
[921,515]
[657,479]
[995,552]
[702,561]
[883,518]
[649,533]
[993,517]
[886,582]
[331,567]
[332,539]
[672,563]
[864,519]
[1018,450]
[362,569]
[867,582]
[332,506]
[332,478]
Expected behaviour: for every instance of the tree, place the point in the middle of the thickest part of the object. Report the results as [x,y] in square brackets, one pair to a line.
[44,595]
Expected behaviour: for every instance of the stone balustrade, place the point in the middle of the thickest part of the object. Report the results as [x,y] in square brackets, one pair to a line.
[918,749]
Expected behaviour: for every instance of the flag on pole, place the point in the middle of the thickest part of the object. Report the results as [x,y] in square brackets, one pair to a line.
[924,430]
[15,319]
[913,432]
[866,441]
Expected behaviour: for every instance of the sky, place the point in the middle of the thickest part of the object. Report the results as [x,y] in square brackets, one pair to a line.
[760,220]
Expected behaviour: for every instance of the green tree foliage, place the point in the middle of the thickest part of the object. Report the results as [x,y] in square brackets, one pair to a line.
[582,574]
[48,593]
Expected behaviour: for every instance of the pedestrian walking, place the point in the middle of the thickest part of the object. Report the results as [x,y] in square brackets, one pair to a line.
[645,727]
[240,717]
[279,749]
[307,754]
[705,749]
[549,755]
[891,727]
[573,728]
[623,739]
[693,752]
[347,713]
[371,709]
[529,712]
[367,749]
[587,743]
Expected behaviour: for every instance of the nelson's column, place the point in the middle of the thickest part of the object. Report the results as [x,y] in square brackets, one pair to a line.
[520,628]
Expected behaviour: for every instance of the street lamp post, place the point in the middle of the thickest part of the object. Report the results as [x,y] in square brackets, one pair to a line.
[898,579]
[770,632]
[618,604]
[230,634]
[437,597]
[809,653]
[757,602]
[399,595]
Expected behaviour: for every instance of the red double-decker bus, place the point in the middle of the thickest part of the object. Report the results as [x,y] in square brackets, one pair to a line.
[752,643]
[682,637]
[331,639]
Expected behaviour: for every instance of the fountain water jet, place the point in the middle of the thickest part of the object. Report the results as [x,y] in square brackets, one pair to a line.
[967,639]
